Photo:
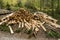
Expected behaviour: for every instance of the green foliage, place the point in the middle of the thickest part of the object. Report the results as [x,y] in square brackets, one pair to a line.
[19,4]
[4,28]
[0,3]
[33,4]
[10,2]
[8,6]
[18,30]
[23,2]
[14,8]
[52,33]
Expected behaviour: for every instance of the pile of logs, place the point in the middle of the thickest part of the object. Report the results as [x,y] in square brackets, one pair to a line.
[29,21]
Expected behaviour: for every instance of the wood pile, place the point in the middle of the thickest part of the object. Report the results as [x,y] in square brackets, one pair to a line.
[28,21]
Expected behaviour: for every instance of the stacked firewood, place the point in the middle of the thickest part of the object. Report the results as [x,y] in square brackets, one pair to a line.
[29,21]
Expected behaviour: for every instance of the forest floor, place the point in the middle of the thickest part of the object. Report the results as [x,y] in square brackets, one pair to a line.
[22,36]
[18,36]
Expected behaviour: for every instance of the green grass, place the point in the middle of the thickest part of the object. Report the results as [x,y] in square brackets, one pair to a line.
[18,30]
[53,34]
[4,28]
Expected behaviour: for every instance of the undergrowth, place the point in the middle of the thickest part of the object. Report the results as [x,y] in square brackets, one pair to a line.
[53,34]
[4,28]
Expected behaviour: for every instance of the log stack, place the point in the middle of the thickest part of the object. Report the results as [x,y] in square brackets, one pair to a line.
[28,21]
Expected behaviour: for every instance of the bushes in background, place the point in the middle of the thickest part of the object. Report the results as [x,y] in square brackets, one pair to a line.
[7,4]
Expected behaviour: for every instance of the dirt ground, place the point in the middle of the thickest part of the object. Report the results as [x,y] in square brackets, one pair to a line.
[21,36]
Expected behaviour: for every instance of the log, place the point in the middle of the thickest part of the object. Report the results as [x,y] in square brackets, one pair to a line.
[7,16]
[19,24]
[22,24]
[28,28]
[53,24]
[41,25]
[38,26]
[29,24]
[11,30]
[51,19]
[12,22]
[44,15]
[3,22]
[36,29]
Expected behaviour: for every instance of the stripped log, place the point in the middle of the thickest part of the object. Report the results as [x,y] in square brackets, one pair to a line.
[53,24]
[3,22]
[19,24]
[5,18]
[44,15]
[23,24]
[51,19]
[11,30]
[41,25]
